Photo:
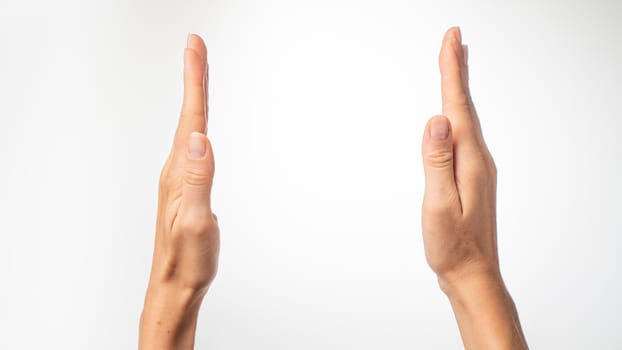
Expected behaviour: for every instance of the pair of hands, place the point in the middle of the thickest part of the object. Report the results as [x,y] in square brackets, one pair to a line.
[458,215]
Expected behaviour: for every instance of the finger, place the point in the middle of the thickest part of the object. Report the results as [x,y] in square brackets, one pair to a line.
[457,103]
[205,91]
[197,176]
[441,193]
[471,155]
[193,113]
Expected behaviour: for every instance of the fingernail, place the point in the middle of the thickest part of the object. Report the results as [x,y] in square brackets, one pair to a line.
[188,40]
[465,53]
[439,129]
[458,34]
[196,145]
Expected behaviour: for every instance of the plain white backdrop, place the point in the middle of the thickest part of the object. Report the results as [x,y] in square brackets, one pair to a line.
[317,110]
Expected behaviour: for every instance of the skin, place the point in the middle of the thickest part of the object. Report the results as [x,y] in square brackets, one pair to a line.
[458,216]
[459,212]
[185,258]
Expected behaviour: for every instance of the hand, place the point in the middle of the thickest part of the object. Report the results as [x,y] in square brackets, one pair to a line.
[459,212]
[185,258]
[459,221]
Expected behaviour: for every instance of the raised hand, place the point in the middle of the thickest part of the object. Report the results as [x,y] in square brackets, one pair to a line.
[185,258]
[459,212]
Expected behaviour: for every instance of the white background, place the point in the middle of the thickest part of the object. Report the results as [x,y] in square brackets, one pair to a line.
[317,111]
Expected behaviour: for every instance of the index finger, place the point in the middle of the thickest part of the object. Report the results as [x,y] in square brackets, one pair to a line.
[193,116]
[457,103]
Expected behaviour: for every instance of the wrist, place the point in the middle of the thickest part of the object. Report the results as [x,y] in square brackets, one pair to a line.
[173,298]
[471,280]
[169,317]
[484,309]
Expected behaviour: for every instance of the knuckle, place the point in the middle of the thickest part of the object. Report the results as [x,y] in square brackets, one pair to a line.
[164,181]
[460,101]
[492,167]
[478,165]
[196,226]
[476,176]
[440,159]
[195,176]
[479,170]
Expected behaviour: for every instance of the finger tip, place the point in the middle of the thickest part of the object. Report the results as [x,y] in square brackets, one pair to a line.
[453,33]
[452,51]
[457,33]
[189,39]
[196,43]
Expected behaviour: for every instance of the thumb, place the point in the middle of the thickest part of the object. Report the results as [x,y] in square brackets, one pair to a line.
[438,162]
[198,172]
